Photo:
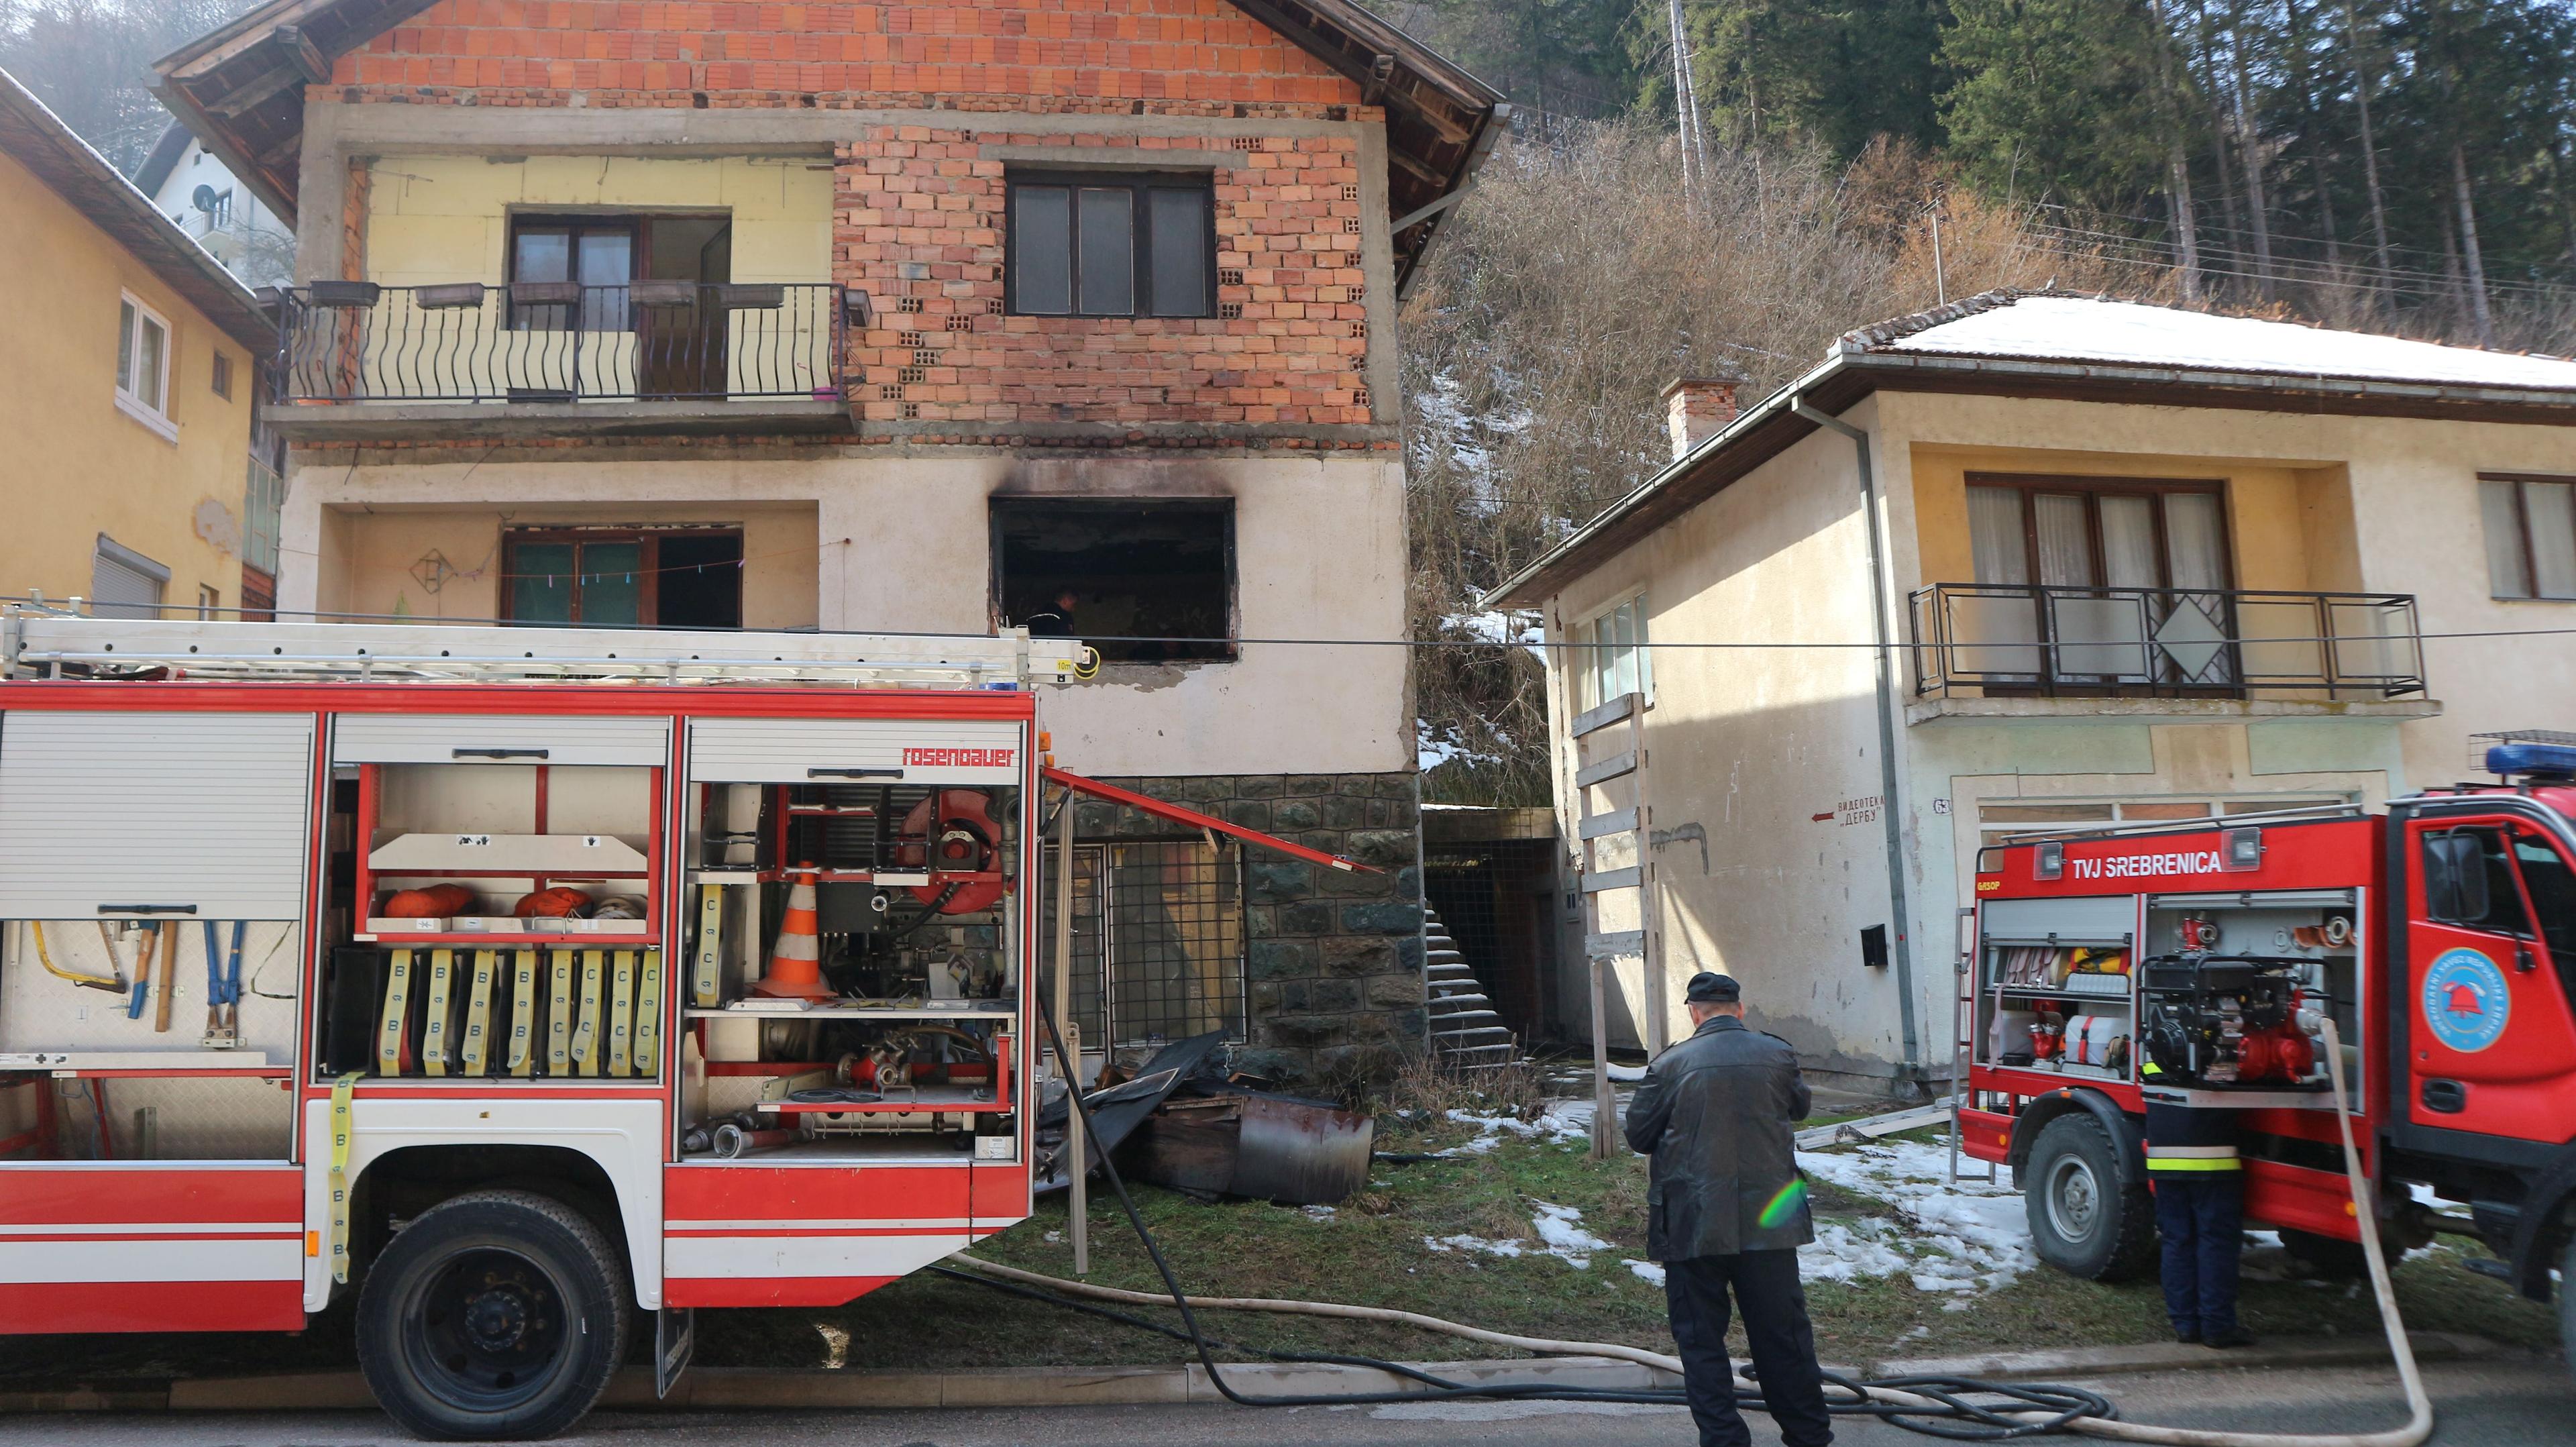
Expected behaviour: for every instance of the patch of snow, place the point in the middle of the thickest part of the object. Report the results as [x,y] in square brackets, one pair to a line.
[1962,1237]
[1649,1272]
[1632,1074]
[2077,329]
[1499,627]
[1318,1213]
[1472,1244]
[1845,1253]
[1561,1227]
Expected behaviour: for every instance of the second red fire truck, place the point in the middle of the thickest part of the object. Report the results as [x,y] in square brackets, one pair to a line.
[2440,938]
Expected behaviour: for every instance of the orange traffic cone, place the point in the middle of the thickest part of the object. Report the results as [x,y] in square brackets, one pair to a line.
[795,962]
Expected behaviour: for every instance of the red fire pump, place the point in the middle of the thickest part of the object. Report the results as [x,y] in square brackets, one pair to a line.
[952,832]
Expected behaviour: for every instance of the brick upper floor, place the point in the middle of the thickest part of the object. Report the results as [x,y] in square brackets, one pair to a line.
[930,118]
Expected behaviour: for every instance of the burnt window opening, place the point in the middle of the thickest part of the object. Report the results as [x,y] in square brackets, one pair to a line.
[1149,582]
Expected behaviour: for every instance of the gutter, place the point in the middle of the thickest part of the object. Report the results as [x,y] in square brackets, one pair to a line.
[1884,656]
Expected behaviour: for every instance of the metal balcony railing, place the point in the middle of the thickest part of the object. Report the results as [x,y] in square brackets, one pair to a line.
[2016,639]
[356,341]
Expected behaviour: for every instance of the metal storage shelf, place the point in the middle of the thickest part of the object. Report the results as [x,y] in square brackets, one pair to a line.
[921,1100]
[150,1062]
[2073,1070]
[1007,1013]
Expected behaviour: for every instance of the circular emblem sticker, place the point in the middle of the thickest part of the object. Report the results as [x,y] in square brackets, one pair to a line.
[2466,1004]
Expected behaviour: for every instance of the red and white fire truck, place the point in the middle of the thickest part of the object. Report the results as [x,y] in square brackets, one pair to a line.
[2196,963]
[515,980]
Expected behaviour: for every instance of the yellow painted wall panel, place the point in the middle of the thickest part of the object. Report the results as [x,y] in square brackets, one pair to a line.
[445,218]
[96,469]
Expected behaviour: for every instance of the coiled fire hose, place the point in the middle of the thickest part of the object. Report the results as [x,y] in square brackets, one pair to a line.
[1958,1408]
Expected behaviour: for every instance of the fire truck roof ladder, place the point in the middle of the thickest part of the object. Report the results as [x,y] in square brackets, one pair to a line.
[2202,825]
[44,644]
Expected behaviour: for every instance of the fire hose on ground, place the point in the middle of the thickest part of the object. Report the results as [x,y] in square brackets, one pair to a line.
[1959,1408]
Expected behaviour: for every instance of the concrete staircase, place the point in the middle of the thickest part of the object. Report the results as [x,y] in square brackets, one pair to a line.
[1466,1033]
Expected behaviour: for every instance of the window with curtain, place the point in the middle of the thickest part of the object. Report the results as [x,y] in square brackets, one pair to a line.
[1616,655]
[1103,244]
[607,578]
[2530,527]
[2121,559]
[2084,533]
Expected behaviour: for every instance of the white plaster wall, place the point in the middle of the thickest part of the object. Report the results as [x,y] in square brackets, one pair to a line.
[1747,747]
[904,546]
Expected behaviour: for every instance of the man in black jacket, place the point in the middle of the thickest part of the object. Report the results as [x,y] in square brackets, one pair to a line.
[1727,1209]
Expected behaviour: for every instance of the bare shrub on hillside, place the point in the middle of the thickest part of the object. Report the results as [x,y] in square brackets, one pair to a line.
[1576,282]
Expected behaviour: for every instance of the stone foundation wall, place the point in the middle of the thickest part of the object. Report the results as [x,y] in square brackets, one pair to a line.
[1333,974]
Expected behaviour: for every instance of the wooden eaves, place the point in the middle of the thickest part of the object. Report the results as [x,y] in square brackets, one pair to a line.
[38,140]
[241,90]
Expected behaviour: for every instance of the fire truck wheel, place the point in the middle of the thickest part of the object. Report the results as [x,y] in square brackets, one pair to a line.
[2082,1220]
[495,1315]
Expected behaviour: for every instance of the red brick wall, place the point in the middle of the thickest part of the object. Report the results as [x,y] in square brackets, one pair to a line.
[1288,344]
[919,210]
[1013,54]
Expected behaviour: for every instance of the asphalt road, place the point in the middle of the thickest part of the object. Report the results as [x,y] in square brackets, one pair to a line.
[2518,1402]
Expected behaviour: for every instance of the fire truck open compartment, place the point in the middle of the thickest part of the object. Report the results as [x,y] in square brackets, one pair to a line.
[909,1047]
[151,888]
[2058,979]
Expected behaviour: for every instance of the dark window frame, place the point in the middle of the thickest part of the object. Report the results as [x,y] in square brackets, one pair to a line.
[2093,489]
[2521,482]
[1137,183]
[998,509]
[648,564]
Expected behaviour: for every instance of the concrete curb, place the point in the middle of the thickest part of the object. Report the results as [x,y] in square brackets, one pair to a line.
[746,1389]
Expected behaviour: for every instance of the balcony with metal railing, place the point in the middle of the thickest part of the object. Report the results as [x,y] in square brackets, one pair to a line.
[2003,650]
[359,359]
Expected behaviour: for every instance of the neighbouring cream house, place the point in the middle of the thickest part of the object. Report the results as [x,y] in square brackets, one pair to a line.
[905,317]
[2059,561]
[126,388]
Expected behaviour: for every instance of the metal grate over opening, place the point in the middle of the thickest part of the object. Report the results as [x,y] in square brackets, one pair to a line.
[1157,940]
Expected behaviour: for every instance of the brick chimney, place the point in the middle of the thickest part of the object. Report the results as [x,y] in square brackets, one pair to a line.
[1697,408]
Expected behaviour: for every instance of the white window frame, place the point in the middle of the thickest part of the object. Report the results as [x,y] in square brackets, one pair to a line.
[1598,662]
[132,315]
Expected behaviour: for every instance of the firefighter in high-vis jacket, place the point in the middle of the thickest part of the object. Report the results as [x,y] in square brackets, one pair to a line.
[2200,1216]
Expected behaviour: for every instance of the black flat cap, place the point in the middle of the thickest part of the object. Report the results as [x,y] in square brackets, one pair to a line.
[1711,988]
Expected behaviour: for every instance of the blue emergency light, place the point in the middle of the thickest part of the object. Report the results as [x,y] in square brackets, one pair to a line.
[2544,763]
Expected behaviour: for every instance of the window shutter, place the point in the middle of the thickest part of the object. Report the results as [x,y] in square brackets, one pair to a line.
[109,807]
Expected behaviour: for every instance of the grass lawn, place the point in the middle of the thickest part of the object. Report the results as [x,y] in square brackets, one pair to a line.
[1371,1250]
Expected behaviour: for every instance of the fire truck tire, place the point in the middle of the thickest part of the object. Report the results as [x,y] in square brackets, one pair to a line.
[494,1315]
[2082,1220]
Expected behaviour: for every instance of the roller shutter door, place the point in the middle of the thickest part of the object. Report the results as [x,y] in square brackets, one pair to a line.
[100,810]
[385,738]
[827,751]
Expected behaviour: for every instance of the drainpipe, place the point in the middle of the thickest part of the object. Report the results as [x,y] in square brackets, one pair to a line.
[1884,653]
